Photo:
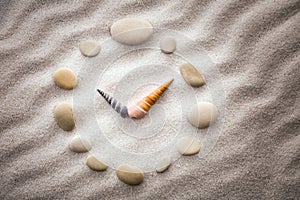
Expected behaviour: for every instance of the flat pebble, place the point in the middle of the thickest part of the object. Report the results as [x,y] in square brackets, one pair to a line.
[131,31]
[79,145]
[130,174]
[89,48]
[163,164]
[64,116]
[187,146]
[95,163]
[168,45]
[191,75]
[65,78]
[202,114]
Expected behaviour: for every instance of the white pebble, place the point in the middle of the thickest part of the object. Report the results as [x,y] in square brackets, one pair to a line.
[163,164]
[131,31]
[79,145]
[202,115]
[187,146]
[168,45]
[89,48]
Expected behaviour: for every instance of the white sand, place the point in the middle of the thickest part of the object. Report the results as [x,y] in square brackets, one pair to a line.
[256,47]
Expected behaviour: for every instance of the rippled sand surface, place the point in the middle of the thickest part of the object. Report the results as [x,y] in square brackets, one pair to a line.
[256,47]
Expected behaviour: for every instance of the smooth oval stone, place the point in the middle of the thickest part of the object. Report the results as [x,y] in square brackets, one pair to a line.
[79,145]
[131,31]
[64,116]
[191,75]
[202,115]
[89,48]
[187,146]
[65,78]
[95,163]
[168,45]
[163,164]
[130,174]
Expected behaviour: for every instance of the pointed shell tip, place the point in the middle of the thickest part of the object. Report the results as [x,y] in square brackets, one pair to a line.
[169,82]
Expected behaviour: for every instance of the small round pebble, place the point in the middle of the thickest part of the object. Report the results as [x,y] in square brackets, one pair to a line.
[95,163]
[89,48]
[168,45]
[65,78]
[130,174]
[163,164]
[79,145]
[187,146]
[131,31]
[191,75]
[64,116]
[202,115]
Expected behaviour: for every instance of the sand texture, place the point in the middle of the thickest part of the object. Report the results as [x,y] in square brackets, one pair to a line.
[256,48]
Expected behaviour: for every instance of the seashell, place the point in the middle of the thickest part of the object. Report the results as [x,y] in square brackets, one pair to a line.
[141,108]
[136,112]
[116,105]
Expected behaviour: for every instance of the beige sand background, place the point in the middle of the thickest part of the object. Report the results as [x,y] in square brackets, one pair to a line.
[256,47]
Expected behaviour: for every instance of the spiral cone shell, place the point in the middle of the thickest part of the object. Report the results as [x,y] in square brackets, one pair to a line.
[116,105]
[143,106]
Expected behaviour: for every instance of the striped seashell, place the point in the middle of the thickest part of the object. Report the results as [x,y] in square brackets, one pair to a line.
[141,108]
[116,105]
